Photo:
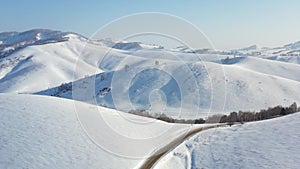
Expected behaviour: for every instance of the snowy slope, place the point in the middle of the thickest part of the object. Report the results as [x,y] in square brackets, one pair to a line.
[38,67]
[288,53]
[44,132]
[112,88]
[266,66]
[43,59]
[272,143]
[132,75]
[13,41]
[42,62]
[249,84]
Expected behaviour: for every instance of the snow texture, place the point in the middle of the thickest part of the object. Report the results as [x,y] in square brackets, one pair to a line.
[265,144]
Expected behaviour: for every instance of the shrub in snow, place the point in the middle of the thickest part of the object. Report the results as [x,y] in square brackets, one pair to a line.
[64,87]
[126,67]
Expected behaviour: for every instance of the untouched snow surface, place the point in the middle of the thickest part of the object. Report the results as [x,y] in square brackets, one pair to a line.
[44,132]
[273,143]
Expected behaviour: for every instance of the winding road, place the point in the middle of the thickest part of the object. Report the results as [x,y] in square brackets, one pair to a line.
[151,161]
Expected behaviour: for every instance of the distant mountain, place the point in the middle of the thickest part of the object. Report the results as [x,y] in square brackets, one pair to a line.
[13,41]
[252,47]
[133,46]
[295,45]
[127,46]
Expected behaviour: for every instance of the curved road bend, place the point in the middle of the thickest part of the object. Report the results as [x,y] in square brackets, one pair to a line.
[148,164]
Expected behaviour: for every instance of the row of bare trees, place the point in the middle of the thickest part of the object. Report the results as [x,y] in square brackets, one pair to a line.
[241,116]
[246,116]
[164,117]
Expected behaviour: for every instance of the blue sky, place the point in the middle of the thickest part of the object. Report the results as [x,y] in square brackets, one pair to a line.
[228,23]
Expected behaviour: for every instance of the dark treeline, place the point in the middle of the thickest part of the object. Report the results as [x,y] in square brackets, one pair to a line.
[246,116]
[241,116]
[163,117]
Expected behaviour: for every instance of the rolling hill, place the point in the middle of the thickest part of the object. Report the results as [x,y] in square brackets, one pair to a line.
[131,75]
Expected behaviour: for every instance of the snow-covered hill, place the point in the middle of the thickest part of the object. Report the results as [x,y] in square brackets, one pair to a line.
[35,60]
[13,41]
[131,75]
[288,53]
[41,59]
[248,84]
[272,143]
[48,132]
